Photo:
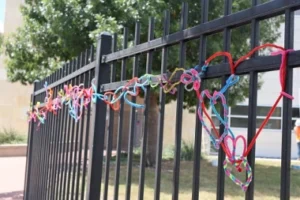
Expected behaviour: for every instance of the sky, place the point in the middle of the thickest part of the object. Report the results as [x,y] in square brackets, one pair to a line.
[2,13]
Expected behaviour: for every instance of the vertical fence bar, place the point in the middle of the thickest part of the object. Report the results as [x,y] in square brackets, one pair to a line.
[252,104]
[42,150]
[198,127]
[64,141]
[68,132]
[287,112]
[62,152]
[60,114]
[162,101]
[47,126]
[132,116]
[86,144]
[52,156]
[46,160]
[57,117]
[77,125]
[38,163]
[41,159]
[33,175]
[88,79]
[252,128]
[42,132]
[45,167]
[81,131]
[29,156]
[71,142]
[50,120]
[146,113]
[221,174]
[179,107]
[99,120]
[55,144]
[37,146]
[110,132]
[34,188]
[61,138]
[226,47]
[92,54]
[120,124]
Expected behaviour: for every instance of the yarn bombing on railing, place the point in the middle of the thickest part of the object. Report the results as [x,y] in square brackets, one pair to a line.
[76,98]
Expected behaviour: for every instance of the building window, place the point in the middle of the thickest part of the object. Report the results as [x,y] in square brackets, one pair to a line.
[238,117]
[264,110]
[243,123]
[271,124]
[296,113]
[239,110]
[295,116]
[239,122]
[260,111]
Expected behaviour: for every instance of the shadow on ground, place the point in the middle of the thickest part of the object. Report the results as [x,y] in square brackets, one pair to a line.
[12,195]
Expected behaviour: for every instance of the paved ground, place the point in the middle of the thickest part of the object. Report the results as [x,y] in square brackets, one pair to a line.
[12,173]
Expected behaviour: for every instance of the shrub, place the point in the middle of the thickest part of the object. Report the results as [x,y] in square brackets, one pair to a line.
[10,136]
[187,152]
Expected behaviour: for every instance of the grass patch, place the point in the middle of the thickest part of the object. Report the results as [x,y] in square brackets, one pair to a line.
[10,136]
[267,181]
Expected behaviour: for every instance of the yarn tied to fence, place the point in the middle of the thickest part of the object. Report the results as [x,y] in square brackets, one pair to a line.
[77,98]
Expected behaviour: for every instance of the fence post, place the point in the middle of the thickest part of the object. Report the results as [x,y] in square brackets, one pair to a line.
[29,150]
[98,122]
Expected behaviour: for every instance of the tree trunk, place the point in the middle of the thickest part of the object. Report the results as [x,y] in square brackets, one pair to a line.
[153,113]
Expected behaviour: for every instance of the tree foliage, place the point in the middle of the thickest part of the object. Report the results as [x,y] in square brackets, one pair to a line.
[55,31]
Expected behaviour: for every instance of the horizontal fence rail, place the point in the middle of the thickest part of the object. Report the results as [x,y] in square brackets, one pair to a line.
[261,64]
[85,159]
[263,11]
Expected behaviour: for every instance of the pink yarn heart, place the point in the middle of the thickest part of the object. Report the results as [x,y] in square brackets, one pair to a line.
[213,98]
[232,150]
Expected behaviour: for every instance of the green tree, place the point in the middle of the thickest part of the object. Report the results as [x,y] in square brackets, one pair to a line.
[55,31]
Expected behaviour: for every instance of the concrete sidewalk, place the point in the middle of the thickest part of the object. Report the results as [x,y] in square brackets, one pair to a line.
[12,174]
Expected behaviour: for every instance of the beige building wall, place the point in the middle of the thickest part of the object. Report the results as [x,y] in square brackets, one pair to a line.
[14,97]
[188,127]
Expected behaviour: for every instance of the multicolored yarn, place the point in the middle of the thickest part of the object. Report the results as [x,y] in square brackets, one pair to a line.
[78,97]
[229,173]
[213,100]
[230,155]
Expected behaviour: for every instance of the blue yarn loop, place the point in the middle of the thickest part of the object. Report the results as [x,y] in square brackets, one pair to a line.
[203,69]
[233,79]
[134,93]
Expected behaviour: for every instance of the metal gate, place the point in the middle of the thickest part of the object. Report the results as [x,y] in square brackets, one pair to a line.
[65,158]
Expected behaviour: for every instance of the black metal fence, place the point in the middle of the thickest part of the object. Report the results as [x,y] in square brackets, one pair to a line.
[66,159]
